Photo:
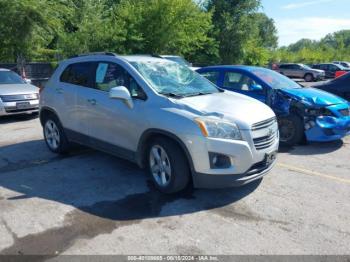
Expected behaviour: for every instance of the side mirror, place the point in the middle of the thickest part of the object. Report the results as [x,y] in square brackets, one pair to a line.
[122,93]
[256,88]
[28,81]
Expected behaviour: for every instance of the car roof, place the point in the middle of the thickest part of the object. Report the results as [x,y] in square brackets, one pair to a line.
[239,67]
[4,70]
[128,58]
[140,58]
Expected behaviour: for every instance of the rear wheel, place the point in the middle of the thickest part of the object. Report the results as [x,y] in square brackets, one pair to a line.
[309,78]
[54,135]
[168,166]
[291,130]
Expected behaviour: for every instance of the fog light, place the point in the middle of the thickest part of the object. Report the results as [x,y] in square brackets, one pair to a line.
[219,161]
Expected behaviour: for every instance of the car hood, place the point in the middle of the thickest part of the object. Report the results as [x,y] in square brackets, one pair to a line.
[240,109]
[17,89]
[314,97]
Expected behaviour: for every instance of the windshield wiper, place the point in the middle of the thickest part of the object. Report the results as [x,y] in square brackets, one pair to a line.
[172,95]
[198,94]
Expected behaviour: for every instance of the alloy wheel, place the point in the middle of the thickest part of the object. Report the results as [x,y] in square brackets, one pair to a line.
[52,135]
[160,166]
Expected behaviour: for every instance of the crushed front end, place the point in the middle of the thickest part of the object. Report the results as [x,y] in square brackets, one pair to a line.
[328,123]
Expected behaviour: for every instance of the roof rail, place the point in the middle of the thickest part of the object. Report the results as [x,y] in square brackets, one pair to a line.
[94,53]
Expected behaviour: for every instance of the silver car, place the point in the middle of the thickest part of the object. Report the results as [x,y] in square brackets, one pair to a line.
[301,71]
[17,96]
[162,116]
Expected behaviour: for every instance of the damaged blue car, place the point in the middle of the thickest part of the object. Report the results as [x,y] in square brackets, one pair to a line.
[304,114]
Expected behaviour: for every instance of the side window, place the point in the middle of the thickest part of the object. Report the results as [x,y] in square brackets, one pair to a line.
[212,76]
[333,68]
[239,82]
[109,75]
[78,74]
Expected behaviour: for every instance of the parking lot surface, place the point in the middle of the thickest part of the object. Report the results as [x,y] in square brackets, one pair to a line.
[92,203]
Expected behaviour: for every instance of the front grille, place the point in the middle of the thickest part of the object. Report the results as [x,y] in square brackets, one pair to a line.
[14,110]
[270,135]
[264,124]
[345,112]
[14,98]
[265,142]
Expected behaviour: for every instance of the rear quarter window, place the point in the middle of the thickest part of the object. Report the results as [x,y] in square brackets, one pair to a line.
[81,74]
[212,76]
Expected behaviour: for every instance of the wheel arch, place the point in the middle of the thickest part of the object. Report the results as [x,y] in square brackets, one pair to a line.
[150,134]
[44,112]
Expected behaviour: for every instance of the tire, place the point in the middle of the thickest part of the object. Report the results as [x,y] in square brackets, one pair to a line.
[173,173]
[309,78]
[54,135]
[291,130]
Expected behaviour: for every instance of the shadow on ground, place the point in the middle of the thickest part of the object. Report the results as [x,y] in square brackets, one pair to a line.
[313,148]
[17,118]
[102,185]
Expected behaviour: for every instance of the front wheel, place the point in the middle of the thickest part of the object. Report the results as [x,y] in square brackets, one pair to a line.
[168,166]
[291,130]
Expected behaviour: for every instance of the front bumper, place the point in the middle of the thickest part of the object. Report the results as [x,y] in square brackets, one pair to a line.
[247,162]
[329,129]
[10,108]
[256,172]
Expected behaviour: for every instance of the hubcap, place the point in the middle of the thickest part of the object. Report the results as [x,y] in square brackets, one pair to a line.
[52,135]
[160,166]
[287,130]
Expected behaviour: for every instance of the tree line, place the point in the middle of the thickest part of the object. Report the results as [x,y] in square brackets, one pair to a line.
[203,31]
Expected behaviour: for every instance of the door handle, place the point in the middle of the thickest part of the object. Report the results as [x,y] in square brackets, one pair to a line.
[92,101]
[59,90]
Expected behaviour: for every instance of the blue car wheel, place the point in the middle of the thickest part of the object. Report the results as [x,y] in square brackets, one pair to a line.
[291,130]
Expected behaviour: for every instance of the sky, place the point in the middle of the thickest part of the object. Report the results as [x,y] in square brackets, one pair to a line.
[313,19]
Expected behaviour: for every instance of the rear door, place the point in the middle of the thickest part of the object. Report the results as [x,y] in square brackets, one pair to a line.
[73,81]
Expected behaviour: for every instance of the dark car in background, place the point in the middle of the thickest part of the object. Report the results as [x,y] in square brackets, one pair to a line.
[301,71]
[339,86]
[330,69]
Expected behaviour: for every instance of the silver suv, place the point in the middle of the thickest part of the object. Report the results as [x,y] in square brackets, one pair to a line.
[301,71]
[160,115]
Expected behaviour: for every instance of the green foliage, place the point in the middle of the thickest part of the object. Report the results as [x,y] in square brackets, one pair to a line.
[332,47]
[203,31]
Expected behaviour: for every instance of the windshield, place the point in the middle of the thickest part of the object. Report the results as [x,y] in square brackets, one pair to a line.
[274,79]
[179,60]
[9,77]
[169,78]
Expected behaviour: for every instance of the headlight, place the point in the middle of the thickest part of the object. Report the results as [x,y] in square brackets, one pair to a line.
[218,129]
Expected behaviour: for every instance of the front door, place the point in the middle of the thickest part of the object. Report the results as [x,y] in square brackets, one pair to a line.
[244,84]
[114,126]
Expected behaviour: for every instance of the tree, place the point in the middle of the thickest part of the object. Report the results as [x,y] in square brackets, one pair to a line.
[233,27]
[267,31]
[19,20]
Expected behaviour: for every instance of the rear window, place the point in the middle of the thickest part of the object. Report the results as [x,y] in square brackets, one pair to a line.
[81,74]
